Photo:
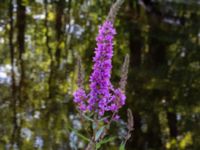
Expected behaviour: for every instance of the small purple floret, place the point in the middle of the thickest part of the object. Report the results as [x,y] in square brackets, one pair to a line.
[80,99]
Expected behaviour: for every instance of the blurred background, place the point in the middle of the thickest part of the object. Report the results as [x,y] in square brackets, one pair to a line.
[39,44]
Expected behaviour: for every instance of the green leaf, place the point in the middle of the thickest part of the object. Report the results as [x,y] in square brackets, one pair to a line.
[88,118]
[98,145]
[83,137]
[80,135]
[102,119]
[104,141]
[122,146]
[99,132]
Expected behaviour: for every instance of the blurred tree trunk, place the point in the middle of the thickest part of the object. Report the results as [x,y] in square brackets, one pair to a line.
[135,46]
[21,24]
[13,85]
[135,38]
[154,132]
[55,63]
[170,109]
[46,24]
[49,50]
[157,63]
[54,74]
[156,59]
[172,123]
[47,138]
[59,29]
[21,21]
[157,47]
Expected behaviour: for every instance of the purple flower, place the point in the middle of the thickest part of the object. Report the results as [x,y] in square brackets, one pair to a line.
[80,99]
[116,117]
[117,100]
[102,96]
[100,77]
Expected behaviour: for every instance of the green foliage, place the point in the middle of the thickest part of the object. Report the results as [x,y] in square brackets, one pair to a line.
[122,146]
[105,141]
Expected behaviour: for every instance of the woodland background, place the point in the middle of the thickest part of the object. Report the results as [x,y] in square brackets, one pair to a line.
[39,44]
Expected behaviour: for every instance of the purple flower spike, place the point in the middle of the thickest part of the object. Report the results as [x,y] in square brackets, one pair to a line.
[100,78]
[102,96]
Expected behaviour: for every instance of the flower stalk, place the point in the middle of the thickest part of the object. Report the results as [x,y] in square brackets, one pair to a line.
[102,97]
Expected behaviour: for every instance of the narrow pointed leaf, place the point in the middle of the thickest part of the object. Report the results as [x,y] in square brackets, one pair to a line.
[99,133]
[122,146]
